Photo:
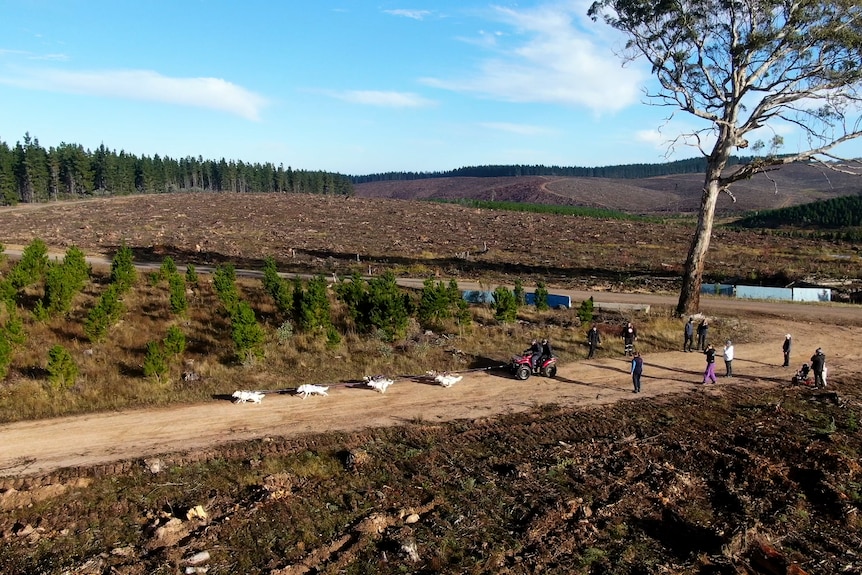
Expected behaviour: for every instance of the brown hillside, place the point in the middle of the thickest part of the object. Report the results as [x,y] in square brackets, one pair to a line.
[791,185]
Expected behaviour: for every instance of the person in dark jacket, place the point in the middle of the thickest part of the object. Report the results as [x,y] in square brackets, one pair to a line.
[630,335]
[818,363]
[535,352]
[594,338]
[637,371]
[547,352]
[702,331]
[785,348]
[688,335]
[709,373]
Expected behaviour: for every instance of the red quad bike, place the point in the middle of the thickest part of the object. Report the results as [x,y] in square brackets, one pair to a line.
[521,369]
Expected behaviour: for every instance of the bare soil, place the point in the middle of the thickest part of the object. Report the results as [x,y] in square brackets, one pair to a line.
[574,474]
[39,447]
[322,234]
[791,185]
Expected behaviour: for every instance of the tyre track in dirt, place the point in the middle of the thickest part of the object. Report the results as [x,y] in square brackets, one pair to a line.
[39,447]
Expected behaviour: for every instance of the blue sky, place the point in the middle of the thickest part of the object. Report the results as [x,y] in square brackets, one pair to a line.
[347,86]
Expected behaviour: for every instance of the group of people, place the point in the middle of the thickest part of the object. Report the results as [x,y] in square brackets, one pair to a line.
[689,332]
[727,353]
[816,365]
[701,331]
[629,335]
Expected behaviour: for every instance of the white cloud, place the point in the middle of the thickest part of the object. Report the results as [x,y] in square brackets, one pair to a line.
[50,57]
[381,98]
[483,39]
[212,93]
[414,14]
[551,56]
[678,139]
[651,137]
[58,57]
[519,129]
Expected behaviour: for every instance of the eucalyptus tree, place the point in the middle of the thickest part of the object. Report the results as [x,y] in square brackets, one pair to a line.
[748,69]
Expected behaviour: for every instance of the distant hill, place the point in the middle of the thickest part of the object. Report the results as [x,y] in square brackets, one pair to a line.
[680,193]
[625,171]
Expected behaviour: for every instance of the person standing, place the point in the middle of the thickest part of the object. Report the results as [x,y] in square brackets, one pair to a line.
[594,338]
[818,365]
[728,359]
[688,335]
[709,373]
[547,351]
[637,371]
[702,330]
[785,347]
[630,335]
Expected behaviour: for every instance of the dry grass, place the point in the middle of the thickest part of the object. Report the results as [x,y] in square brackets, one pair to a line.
[111,372]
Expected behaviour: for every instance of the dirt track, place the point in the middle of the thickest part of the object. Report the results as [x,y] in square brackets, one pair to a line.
[42,446]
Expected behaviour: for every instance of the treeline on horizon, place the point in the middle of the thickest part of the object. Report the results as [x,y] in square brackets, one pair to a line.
[834,213]
[621,171]
[30,173]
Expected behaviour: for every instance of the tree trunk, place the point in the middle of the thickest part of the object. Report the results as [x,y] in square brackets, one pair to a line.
[689,295]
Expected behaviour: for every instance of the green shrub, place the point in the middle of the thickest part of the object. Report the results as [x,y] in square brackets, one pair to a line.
[191,275]
[175,341]
[31,267]
[5,353]
[520,294]
[585,311]
[247,335]
[106,313]
[40,312]
[14,328]
[384,307]
[62,369]
[277,287]
[463,314]
[156,361]
[434,304]
[311,308]
[168,268]
[333,338]
[270,279]
[505,306]
[7,292]
[65,280]
[541,295]
[123,273]
[352,292]
[59,291]
[77,268]
[224,284]
[177,288]
[439,302]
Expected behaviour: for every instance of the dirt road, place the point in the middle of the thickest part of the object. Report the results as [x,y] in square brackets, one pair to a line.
[37,447]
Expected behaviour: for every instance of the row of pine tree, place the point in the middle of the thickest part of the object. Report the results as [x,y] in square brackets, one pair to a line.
[31,173]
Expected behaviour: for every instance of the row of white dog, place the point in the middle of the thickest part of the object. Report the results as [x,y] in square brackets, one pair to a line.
[378,383]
